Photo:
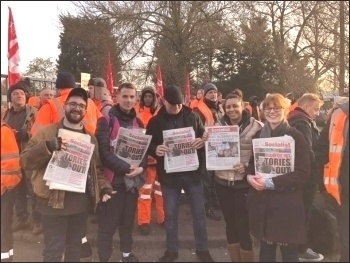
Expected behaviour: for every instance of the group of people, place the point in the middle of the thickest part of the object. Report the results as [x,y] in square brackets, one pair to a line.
[273,210]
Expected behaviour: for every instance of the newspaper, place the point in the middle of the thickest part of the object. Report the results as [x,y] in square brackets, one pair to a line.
[181,157]
[67,169]
[274,156]
[222,149]
[131,145]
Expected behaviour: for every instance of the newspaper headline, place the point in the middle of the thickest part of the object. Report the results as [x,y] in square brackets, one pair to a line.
[222,148]
[67,169]
[274,156]
[131,145]
[181,156]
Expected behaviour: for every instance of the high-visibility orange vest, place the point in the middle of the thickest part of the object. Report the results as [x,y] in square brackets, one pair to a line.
[34,102]
[208,114]
[145,115]
[10,169]
[194,103]
[293,106]
[53,112]
[336,148]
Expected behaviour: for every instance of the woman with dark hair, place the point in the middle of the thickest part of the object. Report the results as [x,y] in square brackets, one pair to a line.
[275,204]
[231,185]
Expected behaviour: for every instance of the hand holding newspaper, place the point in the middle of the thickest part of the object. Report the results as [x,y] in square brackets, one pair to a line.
[274,156]
[67,170]
[181,156]
[222,149]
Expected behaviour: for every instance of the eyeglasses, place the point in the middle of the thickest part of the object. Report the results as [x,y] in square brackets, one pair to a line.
[73,105]
[275,109]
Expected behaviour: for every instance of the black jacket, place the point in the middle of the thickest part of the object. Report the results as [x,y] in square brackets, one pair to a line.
[108,159]
[301,121]
[163,121]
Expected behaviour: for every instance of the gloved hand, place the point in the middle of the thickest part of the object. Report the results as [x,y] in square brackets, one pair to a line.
[54,144]
[22,135]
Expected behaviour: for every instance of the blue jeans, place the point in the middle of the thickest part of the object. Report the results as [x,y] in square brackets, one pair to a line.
[171,197]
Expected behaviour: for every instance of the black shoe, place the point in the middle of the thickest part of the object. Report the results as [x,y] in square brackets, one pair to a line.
[169,256]
[210,213]
[144,229]
[204,256]
[130,258]
[86,250]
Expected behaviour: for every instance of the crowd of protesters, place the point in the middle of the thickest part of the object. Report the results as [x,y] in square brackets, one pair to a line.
[274,211]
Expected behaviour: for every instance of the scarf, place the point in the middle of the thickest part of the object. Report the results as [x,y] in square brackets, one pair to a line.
[281,129]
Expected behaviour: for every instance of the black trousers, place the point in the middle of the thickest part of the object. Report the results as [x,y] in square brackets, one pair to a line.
[62,234]
[7,200]
[233,206]
[118,212]
[309,192]
[268,252]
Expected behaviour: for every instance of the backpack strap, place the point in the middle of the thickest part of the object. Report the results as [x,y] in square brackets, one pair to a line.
[30,111]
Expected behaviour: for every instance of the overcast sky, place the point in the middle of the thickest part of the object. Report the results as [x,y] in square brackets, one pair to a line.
[37,29]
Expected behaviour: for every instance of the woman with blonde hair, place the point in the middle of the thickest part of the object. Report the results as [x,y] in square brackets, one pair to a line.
[275,204]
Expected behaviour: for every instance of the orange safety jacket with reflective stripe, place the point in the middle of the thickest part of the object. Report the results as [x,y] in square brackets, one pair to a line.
[34,102]
[208,114]
[53,112]
[10,168]
[336,149]
[145,115]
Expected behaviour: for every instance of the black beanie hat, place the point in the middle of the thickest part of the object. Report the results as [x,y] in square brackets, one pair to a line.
[65,80]
[19,85]
[173,95]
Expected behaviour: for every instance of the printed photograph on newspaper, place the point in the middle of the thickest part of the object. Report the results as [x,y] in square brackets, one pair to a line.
[67,169]
[222,149]
[131,145]
[181,156]
[274,156]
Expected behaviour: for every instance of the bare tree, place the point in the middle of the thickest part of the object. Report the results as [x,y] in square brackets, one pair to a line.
[41,68]
[143,25]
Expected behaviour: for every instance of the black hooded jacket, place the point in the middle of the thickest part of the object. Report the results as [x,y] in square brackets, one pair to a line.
[300,120]
[163,121]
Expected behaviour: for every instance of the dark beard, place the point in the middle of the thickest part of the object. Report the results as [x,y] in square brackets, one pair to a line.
[71,120]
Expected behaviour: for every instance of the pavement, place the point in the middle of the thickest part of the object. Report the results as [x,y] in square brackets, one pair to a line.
[148,248]
[156,238]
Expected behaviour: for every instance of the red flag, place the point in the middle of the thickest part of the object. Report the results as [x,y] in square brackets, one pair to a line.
[13,52]
[187,87]
[109,78]
[159,87]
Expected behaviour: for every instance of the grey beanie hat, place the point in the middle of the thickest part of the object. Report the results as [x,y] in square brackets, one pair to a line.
[208,87]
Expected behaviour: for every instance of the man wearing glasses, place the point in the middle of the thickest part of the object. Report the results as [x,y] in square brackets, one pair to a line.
[53,111]
[64,213]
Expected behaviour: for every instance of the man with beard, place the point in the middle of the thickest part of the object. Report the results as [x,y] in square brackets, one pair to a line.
[211,113]
[53,112]
[64,213]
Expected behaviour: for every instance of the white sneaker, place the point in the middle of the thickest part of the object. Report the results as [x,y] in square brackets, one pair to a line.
[310,256]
